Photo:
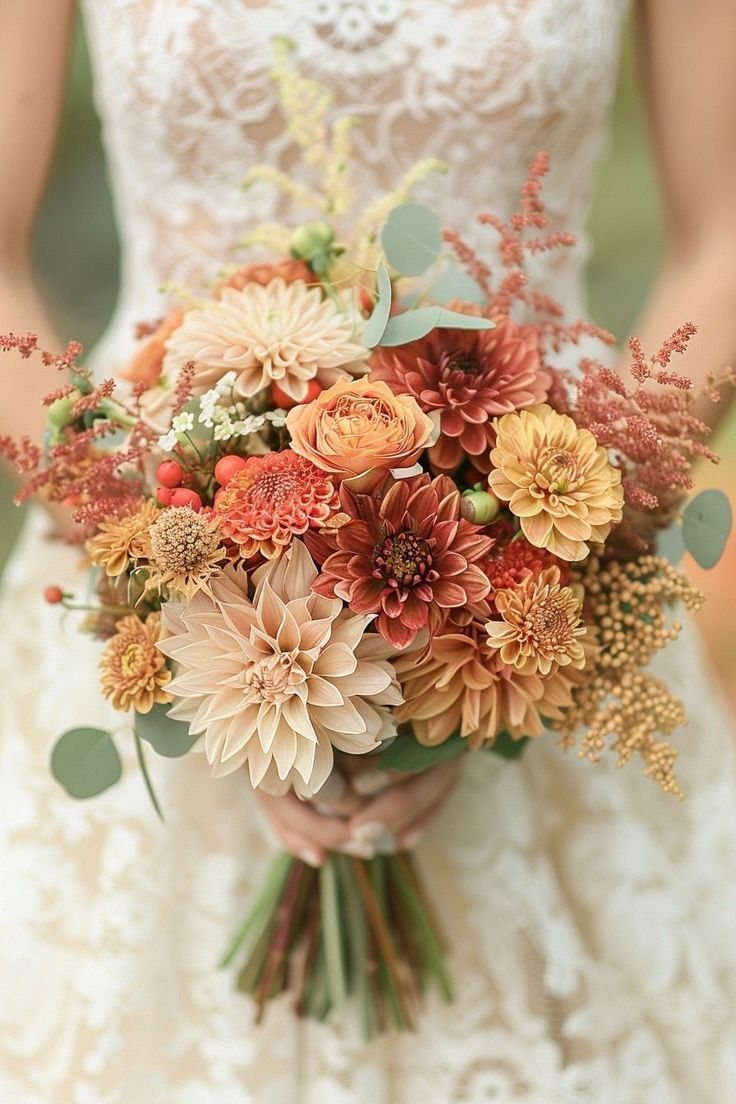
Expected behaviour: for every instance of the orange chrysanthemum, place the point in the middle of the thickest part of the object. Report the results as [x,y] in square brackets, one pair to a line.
[557,479]
[541,625]
[122,539]
[273,498]
[133,671]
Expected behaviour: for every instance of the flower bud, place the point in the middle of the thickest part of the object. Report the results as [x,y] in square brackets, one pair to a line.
[60,412]
[311,239]
[480,507]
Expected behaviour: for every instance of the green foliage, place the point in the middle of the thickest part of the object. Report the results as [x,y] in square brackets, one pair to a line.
[507,747]
[412,238]
[377,322]
[456,284]
[671,544]
[706,525]
[166,736]
[414,324]
[406,755]
[85,762]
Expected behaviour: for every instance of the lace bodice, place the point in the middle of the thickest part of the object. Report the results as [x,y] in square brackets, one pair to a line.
[187,105]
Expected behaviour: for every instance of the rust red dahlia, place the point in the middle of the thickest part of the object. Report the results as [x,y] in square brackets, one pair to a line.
[409,558]
[272,499]
[469,377]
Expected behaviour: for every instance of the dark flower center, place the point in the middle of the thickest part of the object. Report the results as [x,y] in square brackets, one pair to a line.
[467,363]
[402,561]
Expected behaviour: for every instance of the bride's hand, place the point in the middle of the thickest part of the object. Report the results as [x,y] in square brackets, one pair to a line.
[403,811]
[308,829]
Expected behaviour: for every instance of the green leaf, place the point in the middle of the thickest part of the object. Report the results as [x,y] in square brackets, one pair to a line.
[507,747]
[166,736]
[86,762]
[414,324]
[671,544]
[408,756]
[706,525]
[456,284]
[412,238]
[376,324]
[146,776]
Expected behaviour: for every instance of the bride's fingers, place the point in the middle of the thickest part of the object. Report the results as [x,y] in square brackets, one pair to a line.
[402,806]
[288,815]
[337,798]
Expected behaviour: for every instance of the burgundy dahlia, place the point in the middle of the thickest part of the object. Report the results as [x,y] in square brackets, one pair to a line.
[469,377]
[409,558]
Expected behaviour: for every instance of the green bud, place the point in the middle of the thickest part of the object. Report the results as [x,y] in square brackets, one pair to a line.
[480,507]
[311,239]
[60,412]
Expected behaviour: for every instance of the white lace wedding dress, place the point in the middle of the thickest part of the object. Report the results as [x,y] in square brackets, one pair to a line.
[589,916]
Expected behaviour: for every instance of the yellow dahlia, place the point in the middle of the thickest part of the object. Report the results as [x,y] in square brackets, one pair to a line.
[133,671]
[120,540]
[557,479]
[185,549]
[282,332]
[541,625]
[281,678]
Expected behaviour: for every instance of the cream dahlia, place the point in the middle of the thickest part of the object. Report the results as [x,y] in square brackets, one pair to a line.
[557,479]
[280,679]
[282,332]
[541,625]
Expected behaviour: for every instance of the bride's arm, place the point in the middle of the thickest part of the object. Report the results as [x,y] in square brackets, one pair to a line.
[687,62]
[34,38]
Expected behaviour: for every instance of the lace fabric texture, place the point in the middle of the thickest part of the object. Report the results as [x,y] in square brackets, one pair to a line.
[588,914]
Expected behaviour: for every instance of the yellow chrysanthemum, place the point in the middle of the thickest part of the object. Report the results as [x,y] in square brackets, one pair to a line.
[120,540]
[133,670]
[541,625]
[557,479]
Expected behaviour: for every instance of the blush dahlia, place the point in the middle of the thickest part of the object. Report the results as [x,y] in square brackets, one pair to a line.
[409,558]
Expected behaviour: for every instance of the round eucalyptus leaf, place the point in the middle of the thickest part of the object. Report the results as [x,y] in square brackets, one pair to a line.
[412,238]
[456,284]
[671,544]
[86,762]
[167,737]
[413,324]
[706,525]
[376,324]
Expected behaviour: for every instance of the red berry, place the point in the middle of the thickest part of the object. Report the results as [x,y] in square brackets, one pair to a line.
[285,402]
[163,495]
[182,496]
[227,467]
[53,595]
[170,473]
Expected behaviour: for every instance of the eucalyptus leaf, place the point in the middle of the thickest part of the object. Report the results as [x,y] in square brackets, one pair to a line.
[412,238]
[507,747]
[412,325]
[406,755]
[456,284]
[166,736]
[671,544]
[86,762]
[706,525]
[376,324]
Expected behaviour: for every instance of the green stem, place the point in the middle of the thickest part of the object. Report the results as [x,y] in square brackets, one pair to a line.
[146,776]
[265,905]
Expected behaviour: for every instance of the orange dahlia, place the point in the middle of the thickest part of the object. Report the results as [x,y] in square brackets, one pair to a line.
[557,479]
[134,672]
[272,499]
[408,557]
[540,626]
[120,540]
[469,377]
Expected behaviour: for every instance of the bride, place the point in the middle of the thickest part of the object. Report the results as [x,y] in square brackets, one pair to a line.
[588,915]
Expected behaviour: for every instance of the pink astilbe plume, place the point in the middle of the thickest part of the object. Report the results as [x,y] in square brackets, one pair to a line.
[650,426]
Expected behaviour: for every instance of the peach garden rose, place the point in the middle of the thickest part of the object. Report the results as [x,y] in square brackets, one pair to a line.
[358,430]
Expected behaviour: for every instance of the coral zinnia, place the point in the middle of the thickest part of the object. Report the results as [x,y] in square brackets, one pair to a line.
[557,479]
[409,558]
[360,430]
[464,686]
[185,550]
[287,333]
[122,539]
[541,625]
[281,679]
[273,498]
[134,673]
[469,377]
[510,563]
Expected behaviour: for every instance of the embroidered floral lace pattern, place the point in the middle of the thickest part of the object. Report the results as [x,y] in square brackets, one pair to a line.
[588,914]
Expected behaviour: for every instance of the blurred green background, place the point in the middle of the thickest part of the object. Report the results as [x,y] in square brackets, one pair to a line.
[77,222]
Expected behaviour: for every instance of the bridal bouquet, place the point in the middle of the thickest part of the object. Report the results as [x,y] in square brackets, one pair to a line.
[347,502]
